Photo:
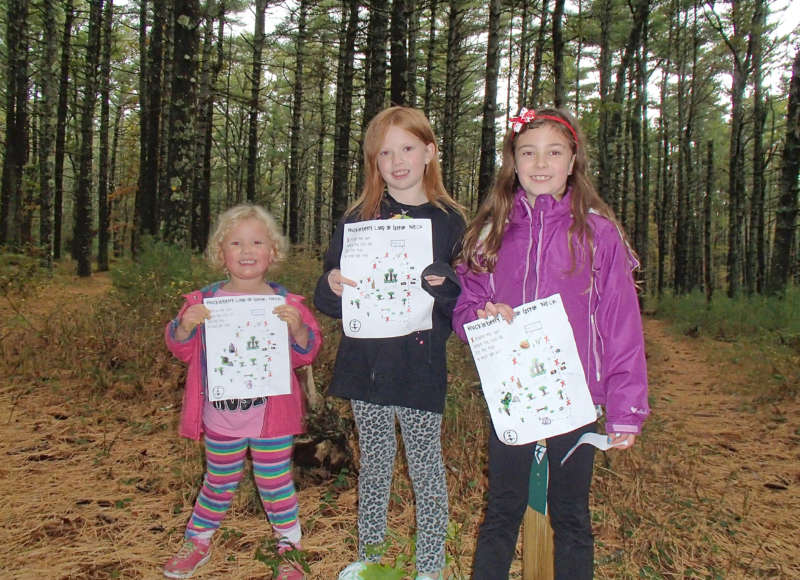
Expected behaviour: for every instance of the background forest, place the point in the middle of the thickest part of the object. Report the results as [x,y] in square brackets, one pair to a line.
[127,126]
[145,118]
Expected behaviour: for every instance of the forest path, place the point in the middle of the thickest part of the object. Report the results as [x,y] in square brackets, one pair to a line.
[90,486]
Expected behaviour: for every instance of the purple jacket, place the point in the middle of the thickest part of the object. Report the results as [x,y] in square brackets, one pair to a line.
[534,262]
[284,413]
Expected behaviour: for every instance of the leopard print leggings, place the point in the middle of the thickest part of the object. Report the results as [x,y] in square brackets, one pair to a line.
[421,432]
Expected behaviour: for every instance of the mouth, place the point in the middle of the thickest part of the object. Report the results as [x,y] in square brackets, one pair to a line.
[539,177]
[247,262]
[399,174]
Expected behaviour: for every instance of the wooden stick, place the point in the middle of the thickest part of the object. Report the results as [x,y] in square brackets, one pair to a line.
[537,546]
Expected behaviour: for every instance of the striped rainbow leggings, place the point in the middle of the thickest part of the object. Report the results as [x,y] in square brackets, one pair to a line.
[272,470]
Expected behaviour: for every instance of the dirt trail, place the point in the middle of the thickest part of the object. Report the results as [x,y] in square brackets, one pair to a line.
[90,486]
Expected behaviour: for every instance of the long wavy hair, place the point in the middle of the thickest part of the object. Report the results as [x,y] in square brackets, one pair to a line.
[485,232]
[368,204]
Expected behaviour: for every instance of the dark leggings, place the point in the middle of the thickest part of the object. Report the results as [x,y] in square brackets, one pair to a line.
[567,501]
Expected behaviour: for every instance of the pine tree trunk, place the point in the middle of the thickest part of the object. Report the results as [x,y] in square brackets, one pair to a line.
[344,105]
[708,269]
[61,128]
[430,56]
[297,116]
[47,108]
[486,172]
[559,99]
[82,231]
[413,31]
[756,256]
[103,222]
[255,89]
[399,53]
[538,55]
[452,91]
[183,104]
[16,137]
[784,258]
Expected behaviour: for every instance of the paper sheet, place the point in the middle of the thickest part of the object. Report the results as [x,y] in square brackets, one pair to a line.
[247,348]
[602,442]
[530,371]
[386,259]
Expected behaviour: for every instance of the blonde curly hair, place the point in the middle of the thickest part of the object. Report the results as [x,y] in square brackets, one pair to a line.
[228,219]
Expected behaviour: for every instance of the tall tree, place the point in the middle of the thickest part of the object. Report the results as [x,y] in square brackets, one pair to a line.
[452,91]
[82,230]
[375,84]
[255,90]
[103,221]
[756,252]
[430,58]
[183,97]
[488,130]
[61,127]
[538,56]
[295,235]
[784,258]
[559,98]
[399,53]
[47,107]
[16,137]
[343,108]
[147,211]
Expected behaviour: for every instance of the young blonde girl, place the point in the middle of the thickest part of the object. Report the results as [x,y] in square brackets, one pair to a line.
[404,377]
[246,243]
[543,230]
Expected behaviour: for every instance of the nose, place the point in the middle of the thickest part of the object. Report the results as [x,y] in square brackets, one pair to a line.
[540,160]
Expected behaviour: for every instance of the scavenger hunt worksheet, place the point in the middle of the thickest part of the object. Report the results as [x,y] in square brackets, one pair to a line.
[530,371]
[247,348]
[386,259]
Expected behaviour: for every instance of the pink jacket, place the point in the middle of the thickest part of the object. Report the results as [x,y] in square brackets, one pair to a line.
[284,413]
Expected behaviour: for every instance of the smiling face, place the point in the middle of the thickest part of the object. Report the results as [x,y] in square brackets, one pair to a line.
[247,251]
[401,162]
[543,161]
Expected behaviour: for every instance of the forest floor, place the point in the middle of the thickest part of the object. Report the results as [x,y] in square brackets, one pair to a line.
[96,483]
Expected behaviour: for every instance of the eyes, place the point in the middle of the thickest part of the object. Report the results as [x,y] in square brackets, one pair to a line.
[404,149]
[254,242]
[550,153]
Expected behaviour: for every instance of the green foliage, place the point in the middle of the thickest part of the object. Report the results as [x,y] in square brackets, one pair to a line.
[155,282]
[268,553]
[21,273]
[745,317]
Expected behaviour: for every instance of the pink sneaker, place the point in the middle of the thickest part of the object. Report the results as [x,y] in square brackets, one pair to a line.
[189,558]
[290,571]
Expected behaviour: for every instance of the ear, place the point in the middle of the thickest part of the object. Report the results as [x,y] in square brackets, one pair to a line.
[430,152]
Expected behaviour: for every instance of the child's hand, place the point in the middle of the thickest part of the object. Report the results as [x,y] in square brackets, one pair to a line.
[192,316]
[621,440]
[435,280]
[293,319]
[492,309]
[336,281]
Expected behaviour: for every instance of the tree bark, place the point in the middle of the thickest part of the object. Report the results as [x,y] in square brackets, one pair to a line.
[61,128]
[16,138]
[399,53]
[344,105]
[183,102]
[47,107]
[784,259]
[297,116]
[255,89]
[103,222]
[559,98]
[488,130]
[82,231]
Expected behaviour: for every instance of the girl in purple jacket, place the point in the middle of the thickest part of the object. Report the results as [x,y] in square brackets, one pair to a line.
[542,230]
[246,243]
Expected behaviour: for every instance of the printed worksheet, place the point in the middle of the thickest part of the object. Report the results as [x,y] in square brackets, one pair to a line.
[530,371]
[247,348]
[386,259]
